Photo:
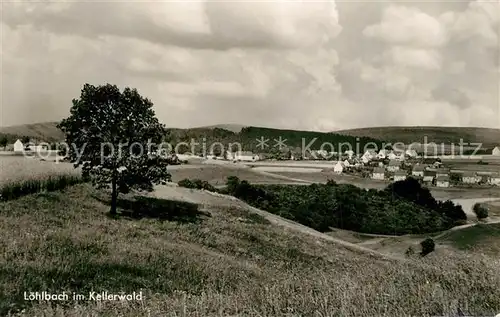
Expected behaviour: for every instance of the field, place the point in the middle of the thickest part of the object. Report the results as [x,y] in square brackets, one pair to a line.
[217,259]
[15,168]
[447,135]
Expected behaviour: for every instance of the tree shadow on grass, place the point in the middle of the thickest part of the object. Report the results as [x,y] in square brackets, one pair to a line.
[140,207]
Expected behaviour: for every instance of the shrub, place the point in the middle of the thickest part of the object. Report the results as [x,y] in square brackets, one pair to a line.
[480,211]
[428,246]
[410,251]
[197,184]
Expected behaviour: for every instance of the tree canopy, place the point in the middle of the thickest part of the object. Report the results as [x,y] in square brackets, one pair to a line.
[116,138]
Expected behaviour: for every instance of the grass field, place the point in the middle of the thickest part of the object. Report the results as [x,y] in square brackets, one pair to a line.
[15,168]
[213,261]
[217,175]
[482,237]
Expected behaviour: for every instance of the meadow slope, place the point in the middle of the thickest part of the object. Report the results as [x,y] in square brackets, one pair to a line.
[194,257]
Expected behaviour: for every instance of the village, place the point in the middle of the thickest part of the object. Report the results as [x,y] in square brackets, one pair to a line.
[384,165]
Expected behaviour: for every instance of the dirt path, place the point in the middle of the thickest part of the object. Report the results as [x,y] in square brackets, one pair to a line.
[173,192]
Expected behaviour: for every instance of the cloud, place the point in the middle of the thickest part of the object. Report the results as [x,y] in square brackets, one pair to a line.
[408,26]
[284,63]
[197,24]
[452,95]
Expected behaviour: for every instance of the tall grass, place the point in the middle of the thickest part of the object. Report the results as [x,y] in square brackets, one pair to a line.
[16,189]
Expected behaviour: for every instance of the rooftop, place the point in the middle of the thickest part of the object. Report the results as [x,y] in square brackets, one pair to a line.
[379,170]
[400,173]
[394,163]
[443,178]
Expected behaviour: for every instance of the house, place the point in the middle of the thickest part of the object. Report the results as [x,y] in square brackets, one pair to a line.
[443,181]
[496,151]
[495,179]
[338,168]
[246,156]
[393,165]
[365,160]
[411,153]
[442,172]
[18,146]
[370,154]
[349,153]
[378,173]
[382,154]
[418,170]
[400,176]
[429,176]
[347,164]
[392,156]
[470,178]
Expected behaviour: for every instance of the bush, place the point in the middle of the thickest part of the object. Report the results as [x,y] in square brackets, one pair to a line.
[197,184]
[428,246]
[480,211]
[410,251]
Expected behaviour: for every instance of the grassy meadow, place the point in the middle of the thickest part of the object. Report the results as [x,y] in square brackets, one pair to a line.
[214,261]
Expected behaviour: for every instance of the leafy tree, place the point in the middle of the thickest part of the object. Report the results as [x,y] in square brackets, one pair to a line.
[3,141]
[428,246]
[114,135]
[480,211]
[25,139]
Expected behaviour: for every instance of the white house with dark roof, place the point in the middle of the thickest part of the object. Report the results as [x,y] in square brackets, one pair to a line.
[411,153]
[496,151]
[443,181]
[400,175]
[378,173]
[495,179]
[394,165]
[469,177]
[18,146]
[246,156]
[338,168]
[442,172]
[418,170]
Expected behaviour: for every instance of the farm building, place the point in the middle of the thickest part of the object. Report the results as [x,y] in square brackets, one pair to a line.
[418,170]
[18,146]
[370,154]
[393,165]
[411,153]
[365,160]
[443,181]
[246,156]
[400,176]
[442,172]
[378,173]
[470,178]
[495,179]
[349,153]
[429,176]
[382,154]
[347,164]
[338,168]
[391,156]
[496,151]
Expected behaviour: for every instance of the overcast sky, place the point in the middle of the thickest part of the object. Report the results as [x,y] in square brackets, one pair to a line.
[302,65]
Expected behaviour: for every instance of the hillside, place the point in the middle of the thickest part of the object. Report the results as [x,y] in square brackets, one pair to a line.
[236,128]
[489,137]
[202,257]
[46,131]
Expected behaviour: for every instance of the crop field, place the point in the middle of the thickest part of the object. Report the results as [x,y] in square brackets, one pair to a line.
[15,168]
[217,175]
[491,167]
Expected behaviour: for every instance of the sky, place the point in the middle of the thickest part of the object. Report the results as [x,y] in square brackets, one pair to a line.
[313,65]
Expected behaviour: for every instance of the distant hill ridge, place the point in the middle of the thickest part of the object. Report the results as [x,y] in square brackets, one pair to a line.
[247,136]
[408,134]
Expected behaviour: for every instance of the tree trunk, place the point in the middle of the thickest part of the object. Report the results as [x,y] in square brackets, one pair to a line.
[114,196]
